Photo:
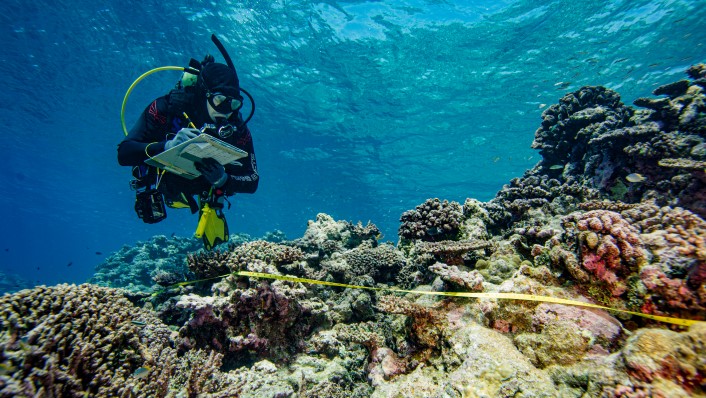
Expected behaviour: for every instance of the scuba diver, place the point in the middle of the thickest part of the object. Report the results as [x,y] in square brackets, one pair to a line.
[207,100]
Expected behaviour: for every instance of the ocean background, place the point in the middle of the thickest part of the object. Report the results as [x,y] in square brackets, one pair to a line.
[364,108]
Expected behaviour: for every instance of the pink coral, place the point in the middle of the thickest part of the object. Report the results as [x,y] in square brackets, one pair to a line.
[675,281]
[616,254]
[666,292]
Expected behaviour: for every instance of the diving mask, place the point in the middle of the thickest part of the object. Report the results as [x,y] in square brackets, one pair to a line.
[222,103]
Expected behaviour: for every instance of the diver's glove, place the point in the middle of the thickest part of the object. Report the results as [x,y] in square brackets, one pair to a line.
[182,136]
[213,171]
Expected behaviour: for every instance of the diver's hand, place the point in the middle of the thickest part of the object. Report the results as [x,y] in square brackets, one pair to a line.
[182,136]
[213,171]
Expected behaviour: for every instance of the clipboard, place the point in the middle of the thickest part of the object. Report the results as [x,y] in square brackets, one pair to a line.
[181,158]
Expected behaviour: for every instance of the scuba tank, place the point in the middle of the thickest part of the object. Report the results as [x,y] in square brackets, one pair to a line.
[189,78]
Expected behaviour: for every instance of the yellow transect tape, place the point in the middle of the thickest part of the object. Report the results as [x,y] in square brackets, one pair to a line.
[503,296]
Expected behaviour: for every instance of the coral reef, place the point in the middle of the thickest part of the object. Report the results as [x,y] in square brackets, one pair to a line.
[613,214]
[141,267]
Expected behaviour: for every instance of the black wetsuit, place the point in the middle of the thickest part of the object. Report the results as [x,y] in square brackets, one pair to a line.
[161,120]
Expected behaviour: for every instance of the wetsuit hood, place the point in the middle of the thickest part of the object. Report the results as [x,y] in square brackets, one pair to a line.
[220,78]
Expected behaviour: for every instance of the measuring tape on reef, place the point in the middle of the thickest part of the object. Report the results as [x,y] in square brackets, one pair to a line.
[501,296]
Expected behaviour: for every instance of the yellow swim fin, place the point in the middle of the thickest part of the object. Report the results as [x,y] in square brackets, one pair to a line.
[183,202]
[212,227]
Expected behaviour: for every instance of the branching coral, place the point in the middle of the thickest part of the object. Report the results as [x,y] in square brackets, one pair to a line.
[272,253]
[325,235]
[134,268]
[433,220]
[381,263]
[70,341]
[209,264]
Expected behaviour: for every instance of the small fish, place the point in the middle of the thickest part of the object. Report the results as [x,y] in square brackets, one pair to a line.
[138,323]
[542,106]
[635,177]
[556,167]
[142,372]
[7,369]
[619,60]
[70,263]
[562,85]
[496,159]
[99,253]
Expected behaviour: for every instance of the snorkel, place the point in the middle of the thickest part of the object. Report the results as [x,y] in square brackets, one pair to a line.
[190,72]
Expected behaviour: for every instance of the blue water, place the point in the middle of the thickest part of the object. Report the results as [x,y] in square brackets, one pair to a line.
[364,108]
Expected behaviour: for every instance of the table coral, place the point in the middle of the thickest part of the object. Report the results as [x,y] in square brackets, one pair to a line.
[449,251]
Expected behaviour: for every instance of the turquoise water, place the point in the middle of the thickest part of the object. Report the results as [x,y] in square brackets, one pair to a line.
[364,109]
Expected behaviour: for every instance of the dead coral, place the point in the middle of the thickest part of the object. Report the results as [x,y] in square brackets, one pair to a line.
[468,281]
[266,319]
[559,343]
[427,326]
[674,282]
[325,235]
